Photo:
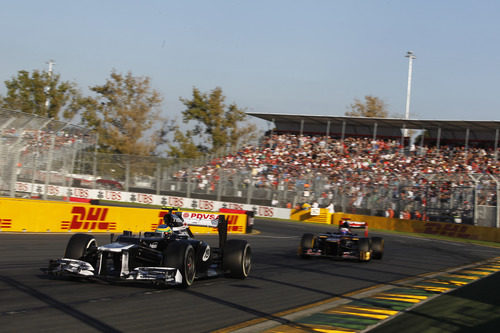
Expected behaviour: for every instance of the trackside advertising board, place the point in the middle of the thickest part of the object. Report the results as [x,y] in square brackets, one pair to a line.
[457,230]
[83,194]
[24,215]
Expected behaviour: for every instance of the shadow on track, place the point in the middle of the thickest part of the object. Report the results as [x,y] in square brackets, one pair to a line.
[87,320]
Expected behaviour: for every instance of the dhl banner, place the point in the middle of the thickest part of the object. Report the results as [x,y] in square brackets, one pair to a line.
[22,215]
[425,227]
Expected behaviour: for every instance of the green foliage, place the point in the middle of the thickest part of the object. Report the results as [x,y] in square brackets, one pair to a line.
[217,125]
[185,147]
[124,110]
[372,107]
[30,92]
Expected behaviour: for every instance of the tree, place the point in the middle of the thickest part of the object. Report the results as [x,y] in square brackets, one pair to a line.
[42,93]
[185,146]
[125,109]
[372,107]
[217,125]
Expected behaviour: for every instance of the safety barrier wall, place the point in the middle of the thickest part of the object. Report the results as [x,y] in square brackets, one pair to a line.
[433,228]
[316,215]
[24,215]
[413,226]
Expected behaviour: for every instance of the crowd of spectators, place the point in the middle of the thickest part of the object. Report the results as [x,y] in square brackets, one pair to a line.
[361,169]
[33,139]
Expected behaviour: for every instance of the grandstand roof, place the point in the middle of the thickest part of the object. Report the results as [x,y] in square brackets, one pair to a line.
[454,125]
[485,133]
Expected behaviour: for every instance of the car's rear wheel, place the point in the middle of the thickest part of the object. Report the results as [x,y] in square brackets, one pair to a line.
[377,247]
[237,258]
[306,243]
[181,255]
[364,249]
[82,247]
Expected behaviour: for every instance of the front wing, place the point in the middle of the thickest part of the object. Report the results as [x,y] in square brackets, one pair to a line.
[83,269]
[320,253]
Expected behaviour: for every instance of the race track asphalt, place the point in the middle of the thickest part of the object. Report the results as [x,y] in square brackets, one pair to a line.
[279,281]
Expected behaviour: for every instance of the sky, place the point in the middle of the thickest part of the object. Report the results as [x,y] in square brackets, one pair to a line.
[312,57]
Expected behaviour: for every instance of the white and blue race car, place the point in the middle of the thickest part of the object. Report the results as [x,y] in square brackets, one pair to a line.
[169,256]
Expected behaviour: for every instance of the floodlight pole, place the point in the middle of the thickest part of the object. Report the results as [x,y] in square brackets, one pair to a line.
[410,57]
[47,102]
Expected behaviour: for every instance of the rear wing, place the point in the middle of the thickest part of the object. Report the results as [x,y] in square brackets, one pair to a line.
[222,230]
[348,223]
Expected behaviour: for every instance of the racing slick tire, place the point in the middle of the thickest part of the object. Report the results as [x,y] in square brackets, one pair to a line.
[82,247]
[377,247]
[181,255]
[306,243]
[364,249]
[237,258]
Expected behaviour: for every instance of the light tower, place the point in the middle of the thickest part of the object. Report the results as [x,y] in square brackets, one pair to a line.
[410,57]
[47,89]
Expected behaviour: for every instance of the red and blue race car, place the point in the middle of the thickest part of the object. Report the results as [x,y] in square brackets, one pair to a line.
[342,244]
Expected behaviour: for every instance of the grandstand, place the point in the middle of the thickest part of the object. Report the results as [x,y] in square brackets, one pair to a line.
[359,165]
[452,173]
[358,175]
[437,132]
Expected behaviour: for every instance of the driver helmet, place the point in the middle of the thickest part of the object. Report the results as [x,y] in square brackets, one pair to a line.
[164,229]
[344,231]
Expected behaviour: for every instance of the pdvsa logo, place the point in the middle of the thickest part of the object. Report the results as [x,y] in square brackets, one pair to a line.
[88,218]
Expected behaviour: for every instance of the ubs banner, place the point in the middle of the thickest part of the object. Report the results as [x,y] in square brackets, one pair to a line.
[24,215]
[82,194]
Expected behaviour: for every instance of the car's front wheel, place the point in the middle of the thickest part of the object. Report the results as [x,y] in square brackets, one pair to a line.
[307,242]
[181,255]
[82,247]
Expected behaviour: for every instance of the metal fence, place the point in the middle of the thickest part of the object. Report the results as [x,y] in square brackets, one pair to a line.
[38,149]
[43,151]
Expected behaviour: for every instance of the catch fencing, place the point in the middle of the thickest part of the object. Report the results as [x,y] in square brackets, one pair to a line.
[45,152]
[38,149]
